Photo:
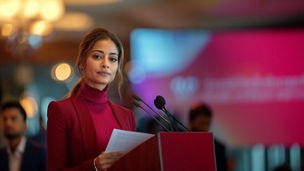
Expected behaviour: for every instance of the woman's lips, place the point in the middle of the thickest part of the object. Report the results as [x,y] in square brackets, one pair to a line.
[104,73]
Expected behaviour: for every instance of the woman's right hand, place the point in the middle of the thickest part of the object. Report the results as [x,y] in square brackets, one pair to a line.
[106,160]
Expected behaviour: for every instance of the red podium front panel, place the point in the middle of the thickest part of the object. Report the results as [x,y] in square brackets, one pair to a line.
[171,151]
[186,151]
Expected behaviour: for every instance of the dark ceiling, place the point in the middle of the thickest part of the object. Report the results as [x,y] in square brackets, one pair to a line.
[124,16]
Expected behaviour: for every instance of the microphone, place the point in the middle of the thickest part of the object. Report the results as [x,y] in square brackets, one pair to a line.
[160,103]
[156,120]
[137,98]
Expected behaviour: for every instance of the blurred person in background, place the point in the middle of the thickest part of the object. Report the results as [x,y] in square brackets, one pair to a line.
[200,118]
[284,167]
[2,142]
[79,127]
[20,154]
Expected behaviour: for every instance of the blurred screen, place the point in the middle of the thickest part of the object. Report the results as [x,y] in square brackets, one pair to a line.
[252,79]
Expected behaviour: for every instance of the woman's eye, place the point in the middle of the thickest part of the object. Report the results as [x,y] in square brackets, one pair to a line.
[97,56]
[113,59]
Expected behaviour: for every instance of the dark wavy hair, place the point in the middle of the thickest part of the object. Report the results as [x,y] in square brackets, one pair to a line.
[13,104]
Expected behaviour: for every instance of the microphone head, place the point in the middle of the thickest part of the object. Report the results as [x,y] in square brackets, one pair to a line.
[137,98]
[159,102]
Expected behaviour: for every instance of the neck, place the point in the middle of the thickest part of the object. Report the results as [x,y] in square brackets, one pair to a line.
[97,86]
[14,142]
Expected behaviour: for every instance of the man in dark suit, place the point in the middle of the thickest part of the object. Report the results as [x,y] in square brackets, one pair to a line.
[20,153]
[2,142]
[200,117]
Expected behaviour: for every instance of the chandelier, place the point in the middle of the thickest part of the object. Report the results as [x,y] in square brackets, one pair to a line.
[26,24]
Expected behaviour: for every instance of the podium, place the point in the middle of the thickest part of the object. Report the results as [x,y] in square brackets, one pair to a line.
[171,151]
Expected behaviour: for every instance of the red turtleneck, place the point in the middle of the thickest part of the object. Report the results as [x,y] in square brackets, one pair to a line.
[101,113]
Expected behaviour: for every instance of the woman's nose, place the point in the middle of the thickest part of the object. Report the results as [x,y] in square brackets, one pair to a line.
[105,63]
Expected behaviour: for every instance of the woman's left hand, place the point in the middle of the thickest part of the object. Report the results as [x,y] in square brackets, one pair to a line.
[105,160]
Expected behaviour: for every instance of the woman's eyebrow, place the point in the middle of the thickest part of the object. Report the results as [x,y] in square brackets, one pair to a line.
[112,53]
[100,51]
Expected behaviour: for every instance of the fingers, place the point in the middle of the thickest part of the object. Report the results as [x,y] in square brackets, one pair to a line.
[106,160]
[110,155]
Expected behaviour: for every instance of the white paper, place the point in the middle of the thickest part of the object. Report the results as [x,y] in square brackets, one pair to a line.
[125,141]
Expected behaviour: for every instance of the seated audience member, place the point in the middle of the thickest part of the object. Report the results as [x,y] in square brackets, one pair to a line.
[20,153]
[2,142]
[200,117]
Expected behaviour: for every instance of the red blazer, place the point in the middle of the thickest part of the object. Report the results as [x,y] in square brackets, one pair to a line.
[71,135]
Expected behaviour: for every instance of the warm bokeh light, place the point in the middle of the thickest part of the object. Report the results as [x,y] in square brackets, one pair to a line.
[62,72]
[74,22]
[9,8]
[32,20]
[41,28]
[7,30]
[30,8]
[30,106]
[89,2]
[52,10]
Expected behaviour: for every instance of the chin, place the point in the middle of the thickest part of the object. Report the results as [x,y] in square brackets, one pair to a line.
[100,81]
[12,136]
[103,83]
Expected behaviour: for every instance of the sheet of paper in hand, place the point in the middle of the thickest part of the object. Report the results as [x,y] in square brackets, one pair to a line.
[125,141]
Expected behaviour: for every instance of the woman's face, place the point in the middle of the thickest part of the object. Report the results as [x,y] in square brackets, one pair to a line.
[101,64]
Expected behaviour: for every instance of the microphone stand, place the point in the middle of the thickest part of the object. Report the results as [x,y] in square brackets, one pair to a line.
[170,115]
[156,120]
[137,98]
[160,102]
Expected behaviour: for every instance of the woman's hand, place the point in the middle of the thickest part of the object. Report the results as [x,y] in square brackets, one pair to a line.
[106,160]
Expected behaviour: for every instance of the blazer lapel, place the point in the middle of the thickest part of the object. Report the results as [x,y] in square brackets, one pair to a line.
[117,113]
[87,126]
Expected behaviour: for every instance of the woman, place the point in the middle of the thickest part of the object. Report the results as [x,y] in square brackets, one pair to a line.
[80,126]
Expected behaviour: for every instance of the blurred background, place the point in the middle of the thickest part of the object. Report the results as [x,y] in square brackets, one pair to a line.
[245,58]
